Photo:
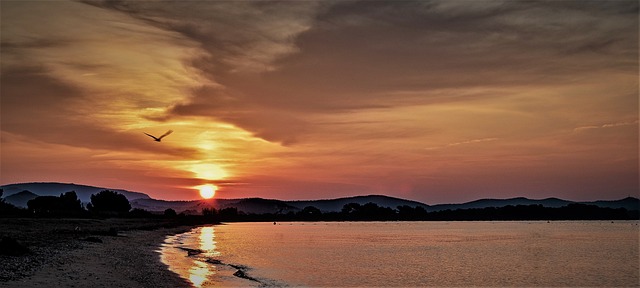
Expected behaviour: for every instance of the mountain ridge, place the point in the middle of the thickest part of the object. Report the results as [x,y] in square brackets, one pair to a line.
[335,205]
[260,205]
[84,192]
[20,199]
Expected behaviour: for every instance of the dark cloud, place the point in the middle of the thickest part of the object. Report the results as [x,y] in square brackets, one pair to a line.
[213,102]
[377,95]
[360,48]
[356,55]
[44,109]
[8,46]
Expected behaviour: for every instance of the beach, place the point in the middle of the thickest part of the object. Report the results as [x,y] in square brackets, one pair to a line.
[62,258]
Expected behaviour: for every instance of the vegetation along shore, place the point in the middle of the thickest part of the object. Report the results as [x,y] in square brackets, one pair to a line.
[62,242]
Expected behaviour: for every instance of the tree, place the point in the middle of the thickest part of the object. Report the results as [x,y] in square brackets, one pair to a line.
[44,205]
[229,213]
[350,208]
[310,213]
[109,202]
[209,212]
[4,206]
[8,209]
[140,213]
[67,204]
[409,213]
[170,213]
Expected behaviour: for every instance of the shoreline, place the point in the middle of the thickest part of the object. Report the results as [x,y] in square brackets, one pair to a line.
[130,259]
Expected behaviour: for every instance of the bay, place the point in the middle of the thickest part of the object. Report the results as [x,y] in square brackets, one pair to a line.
[312,254]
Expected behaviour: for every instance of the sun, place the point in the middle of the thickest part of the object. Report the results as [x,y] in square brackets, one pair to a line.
[208,191]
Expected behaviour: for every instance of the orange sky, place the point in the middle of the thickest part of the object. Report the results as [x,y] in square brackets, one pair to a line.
[435,101]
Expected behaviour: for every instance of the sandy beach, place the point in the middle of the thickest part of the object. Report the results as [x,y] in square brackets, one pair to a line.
[130,259]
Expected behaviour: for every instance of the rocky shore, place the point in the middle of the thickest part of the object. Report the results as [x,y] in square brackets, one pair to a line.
[87,253]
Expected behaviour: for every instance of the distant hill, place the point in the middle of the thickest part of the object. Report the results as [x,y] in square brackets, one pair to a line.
[335,205]
[247,205]
[484,203]
[20,199]
[155,205]
[259,205]
[18,194]
[84,192]
[628,203]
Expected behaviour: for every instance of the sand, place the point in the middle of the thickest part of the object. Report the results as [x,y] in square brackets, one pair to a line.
[130,259]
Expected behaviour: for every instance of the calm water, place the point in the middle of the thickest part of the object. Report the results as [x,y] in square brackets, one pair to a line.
[580,253]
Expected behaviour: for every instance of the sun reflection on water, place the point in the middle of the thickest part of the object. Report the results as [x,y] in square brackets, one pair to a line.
[199,272]
[192,266]
[207,242]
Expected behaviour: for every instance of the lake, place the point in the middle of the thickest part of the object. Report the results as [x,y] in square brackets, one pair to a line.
[511,253]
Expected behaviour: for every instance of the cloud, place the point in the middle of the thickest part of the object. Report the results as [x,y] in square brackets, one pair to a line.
[472,141]
[62,84]
[607,125]
[353,90]
[45,109]
[242,36]
[277,63]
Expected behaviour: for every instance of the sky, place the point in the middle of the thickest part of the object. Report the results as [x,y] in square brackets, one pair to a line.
[434,101]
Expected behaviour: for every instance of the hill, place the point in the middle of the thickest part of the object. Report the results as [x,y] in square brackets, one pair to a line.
[260,205]
[18,194]
[485,203]
[84,192]
[335,205]
[20,199]
[246,205]
[628,203]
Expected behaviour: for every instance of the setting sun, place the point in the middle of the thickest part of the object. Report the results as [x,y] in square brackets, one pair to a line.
[208,191]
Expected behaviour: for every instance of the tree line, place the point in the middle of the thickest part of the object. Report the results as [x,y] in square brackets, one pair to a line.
[373,212]
[104,203]
[112,204]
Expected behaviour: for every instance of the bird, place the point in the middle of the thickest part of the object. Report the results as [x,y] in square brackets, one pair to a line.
[158,139]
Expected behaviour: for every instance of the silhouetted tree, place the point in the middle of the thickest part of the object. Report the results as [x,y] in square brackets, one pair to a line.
[406,212]
[208,212]
[310,213]
[66,205]
[69,202]
[170,213]
[109,202]
[140,213]
[8,209]
[369,211]
[350,208]
[229,213]
[42,205]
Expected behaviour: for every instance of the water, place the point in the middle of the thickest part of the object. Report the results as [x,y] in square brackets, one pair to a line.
[572,253]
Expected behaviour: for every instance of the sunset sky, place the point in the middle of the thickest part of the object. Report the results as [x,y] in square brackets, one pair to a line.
[434,101]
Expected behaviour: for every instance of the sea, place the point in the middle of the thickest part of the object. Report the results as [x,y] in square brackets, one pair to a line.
[408,254]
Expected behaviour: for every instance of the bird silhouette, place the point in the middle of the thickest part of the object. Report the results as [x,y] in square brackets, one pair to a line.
[158,139]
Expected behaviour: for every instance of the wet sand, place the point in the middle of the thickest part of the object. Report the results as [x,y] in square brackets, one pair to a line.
[130,259]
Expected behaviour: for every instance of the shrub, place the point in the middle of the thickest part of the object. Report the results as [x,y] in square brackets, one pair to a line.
[109,202]
[170,213]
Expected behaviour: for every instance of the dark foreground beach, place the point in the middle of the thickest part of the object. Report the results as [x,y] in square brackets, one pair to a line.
[87,253]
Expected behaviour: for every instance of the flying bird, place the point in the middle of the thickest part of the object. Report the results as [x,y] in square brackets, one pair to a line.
[158,139]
